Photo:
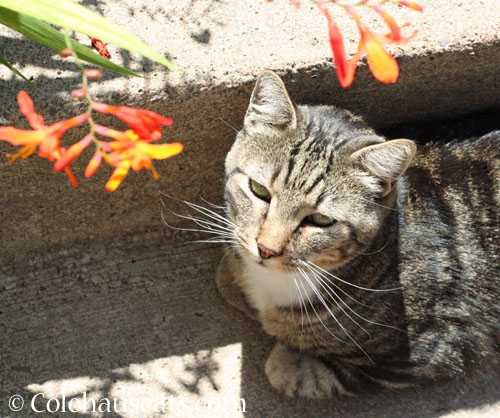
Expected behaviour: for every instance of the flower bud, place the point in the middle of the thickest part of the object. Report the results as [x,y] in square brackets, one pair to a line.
[64,53]
[93,74]
[78,94]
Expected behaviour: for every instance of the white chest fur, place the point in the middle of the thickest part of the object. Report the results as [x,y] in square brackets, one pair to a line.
[268,288]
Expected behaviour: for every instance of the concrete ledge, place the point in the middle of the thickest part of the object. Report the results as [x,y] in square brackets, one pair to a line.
[451,68]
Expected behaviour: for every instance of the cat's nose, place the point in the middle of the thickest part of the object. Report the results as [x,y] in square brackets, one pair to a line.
[266,252]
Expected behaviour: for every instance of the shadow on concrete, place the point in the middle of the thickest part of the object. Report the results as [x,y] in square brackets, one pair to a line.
[139,315]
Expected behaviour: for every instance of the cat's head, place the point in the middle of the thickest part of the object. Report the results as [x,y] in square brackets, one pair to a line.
[308,183]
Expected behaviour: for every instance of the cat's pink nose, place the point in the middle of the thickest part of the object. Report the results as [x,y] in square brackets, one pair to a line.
[266,252]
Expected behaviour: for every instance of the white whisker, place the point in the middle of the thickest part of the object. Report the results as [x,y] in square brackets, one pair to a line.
[352,284]
[337,287]
[322,284]
[205,211]
[209,241]
[203,222]
[312,305]
[301,301]
[220,207]
[318,294]
[326,281]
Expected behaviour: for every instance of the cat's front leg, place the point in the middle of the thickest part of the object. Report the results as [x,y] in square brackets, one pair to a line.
[300,374]
[229,273]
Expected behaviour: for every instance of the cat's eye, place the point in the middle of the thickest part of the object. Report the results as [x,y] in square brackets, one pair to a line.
[260,191]
[320,220]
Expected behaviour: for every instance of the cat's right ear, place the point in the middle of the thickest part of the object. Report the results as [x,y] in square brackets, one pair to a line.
[270,103]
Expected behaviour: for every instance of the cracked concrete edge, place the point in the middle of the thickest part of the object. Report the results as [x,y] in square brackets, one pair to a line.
[40,208]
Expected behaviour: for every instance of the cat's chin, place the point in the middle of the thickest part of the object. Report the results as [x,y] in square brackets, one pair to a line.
[279,264]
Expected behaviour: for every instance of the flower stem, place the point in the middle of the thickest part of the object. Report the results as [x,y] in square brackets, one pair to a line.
[85,84]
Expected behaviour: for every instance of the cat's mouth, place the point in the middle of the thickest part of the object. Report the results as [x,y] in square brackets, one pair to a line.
[279,263]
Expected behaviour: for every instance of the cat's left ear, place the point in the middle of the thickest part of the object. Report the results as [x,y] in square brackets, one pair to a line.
[270,103]
[387,160]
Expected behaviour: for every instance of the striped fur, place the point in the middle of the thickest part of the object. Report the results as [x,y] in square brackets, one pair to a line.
[402,288]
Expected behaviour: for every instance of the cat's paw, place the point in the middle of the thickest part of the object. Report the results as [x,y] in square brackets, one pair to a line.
[298,374]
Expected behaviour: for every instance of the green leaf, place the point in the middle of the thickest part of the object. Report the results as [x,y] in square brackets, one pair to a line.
[15,71]
[71,15]
[45,34]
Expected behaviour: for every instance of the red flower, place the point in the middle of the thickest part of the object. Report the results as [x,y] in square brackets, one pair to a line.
[145,123]
[345,70]
[46,137]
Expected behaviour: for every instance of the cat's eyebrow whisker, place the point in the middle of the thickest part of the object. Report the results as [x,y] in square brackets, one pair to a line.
[318,294]
[352,310]
[374,252]
[378,204]
[352,284]
[232,127]
[314,309]
[320,281]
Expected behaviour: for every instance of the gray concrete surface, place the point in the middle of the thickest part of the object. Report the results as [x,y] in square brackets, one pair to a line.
[97,296]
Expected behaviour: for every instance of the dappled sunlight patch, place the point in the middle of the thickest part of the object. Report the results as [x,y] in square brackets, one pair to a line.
[204,383]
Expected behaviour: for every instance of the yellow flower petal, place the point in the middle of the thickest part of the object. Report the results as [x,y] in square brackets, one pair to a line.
[383,66]
[118,175]
[160,152]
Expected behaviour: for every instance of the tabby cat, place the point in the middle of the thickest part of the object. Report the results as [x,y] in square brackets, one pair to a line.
[370,262]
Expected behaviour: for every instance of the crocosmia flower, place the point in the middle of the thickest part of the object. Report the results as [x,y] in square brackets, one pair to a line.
[382,65]
[145,123]
[128,151]
[47,138]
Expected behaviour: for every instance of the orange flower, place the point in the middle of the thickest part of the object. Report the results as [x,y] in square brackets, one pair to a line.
[46,137]
[145,123]
[94,164]
[382,65]
[412,5]
[72,153]
[129,151]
